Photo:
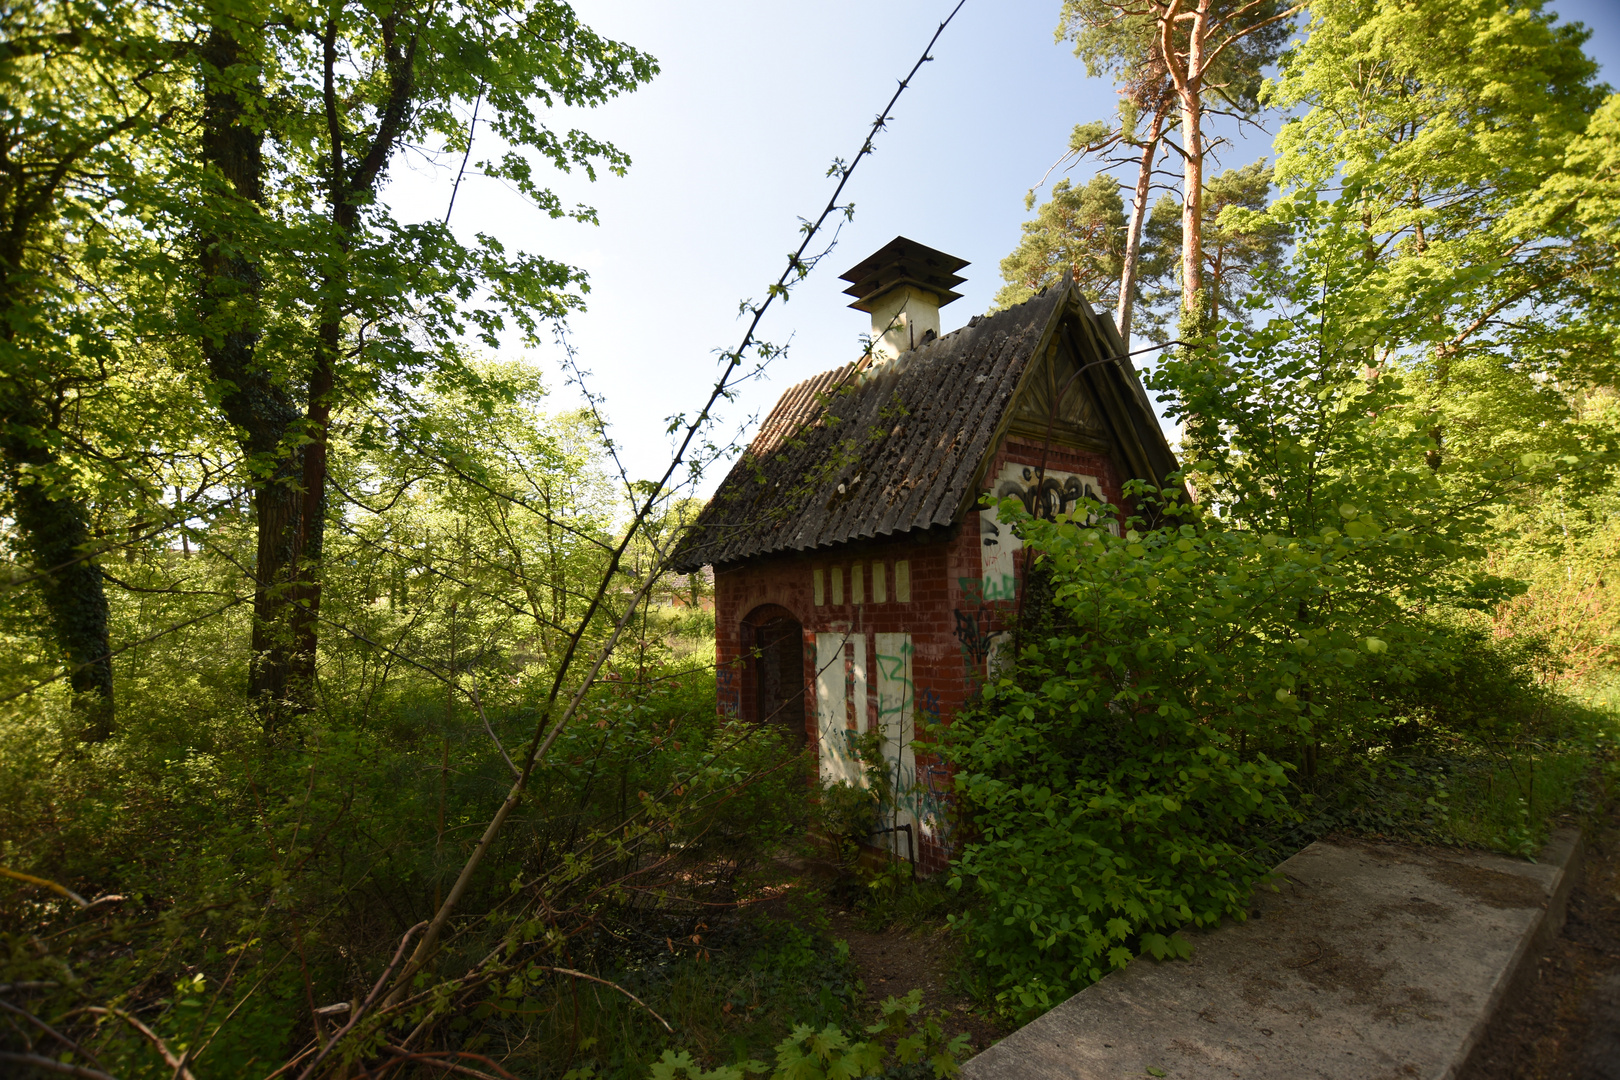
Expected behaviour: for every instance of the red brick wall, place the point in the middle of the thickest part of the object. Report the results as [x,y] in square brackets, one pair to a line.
[950,624]
[1062,459]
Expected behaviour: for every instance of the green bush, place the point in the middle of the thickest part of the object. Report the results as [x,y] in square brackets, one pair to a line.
[1113,780]
[900,1045]
[1180,693]
[257,879]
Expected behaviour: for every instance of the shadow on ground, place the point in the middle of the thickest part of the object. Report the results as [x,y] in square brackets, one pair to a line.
[1564,1021]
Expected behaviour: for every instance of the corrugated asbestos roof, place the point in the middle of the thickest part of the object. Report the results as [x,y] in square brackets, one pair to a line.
[852,455]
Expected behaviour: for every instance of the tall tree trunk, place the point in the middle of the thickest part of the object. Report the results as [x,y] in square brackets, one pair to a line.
[312,519]
[1189,88]
[55,529]
[1133,234]
[56,534]
[349,183]
[253,402]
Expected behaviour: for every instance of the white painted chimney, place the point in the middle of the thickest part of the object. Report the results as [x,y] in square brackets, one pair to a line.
[903,285]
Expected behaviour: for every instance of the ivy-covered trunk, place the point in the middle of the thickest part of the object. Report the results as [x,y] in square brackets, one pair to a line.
[52,521]
[55,532]
[259,408]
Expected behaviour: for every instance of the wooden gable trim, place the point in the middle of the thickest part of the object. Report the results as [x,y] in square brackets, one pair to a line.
[1105,392]
[1126,440]
[970,497]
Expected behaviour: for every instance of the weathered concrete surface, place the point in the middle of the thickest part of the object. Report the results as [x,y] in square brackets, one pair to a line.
[1369,961]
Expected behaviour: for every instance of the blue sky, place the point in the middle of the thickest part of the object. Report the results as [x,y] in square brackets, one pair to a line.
[730,146]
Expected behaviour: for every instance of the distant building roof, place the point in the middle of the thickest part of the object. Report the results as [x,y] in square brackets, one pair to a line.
[858,453]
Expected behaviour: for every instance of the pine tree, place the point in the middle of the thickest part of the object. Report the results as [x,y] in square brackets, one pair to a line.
[1080,230]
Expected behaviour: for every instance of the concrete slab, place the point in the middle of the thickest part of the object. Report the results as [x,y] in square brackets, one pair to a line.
[1369,962]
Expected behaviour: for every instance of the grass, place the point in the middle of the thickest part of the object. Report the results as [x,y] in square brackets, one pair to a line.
[895,900]
[1512,805]
[1508,803]
[731,995]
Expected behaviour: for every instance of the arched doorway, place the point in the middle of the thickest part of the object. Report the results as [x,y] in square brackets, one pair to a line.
[777,664]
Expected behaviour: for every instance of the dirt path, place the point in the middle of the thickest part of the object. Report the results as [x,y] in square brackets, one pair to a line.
[895,962]
[1566,1025]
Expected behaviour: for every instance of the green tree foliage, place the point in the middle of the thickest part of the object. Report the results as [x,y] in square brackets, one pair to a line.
[294,238]
[1471,156]
[1079,231]
[82,87]
[1444,125]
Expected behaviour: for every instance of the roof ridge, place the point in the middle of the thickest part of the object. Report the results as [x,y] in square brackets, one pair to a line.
[842,458]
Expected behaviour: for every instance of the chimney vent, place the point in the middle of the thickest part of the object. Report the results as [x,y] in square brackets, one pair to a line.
[903,285]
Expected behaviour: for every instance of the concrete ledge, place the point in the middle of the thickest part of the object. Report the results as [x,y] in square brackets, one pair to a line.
[1369,961]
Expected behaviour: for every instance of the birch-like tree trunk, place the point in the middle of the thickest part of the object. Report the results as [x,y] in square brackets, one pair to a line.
[1187,72]
[1133,233]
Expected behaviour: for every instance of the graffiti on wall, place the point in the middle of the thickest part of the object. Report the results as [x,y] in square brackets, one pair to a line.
[729,693]
[1057,493]
[926,798]
[919,793]
[973,631]
[896,700]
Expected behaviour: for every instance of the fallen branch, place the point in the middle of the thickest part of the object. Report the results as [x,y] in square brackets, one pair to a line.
[614,985]
[52,1032]
[364,1005]
[60,890]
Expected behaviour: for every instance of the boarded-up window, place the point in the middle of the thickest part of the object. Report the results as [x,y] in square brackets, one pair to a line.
[840,705]
[896,705]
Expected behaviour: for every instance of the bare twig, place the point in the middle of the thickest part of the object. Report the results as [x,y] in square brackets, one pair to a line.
[47,1029]
[16,987]
[430,1057]
[292,1063]
[582,975]
[178,1065]
[472,692]
[52,1065]
[472,127]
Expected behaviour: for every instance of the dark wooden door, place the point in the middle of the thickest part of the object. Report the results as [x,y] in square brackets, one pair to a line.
[780,671]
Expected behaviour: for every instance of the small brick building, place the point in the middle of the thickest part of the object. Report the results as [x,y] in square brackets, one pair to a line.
[857,582]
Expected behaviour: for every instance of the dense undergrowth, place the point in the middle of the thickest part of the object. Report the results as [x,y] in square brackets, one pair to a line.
[257,883]
[1191,704]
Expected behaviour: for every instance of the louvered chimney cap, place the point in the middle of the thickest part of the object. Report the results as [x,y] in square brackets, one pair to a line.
[903,262]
